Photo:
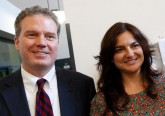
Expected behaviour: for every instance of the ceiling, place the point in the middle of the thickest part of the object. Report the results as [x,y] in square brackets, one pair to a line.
[22,4]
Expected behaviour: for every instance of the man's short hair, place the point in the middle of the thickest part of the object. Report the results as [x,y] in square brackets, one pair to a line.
[34,11]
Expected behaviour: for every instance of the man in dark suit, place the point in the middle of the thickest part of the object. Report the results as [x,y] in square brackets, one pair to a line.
[69,92]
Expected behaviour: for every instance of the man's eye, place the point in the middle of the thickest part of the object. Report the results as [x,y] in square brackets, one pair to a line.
[30,35]
[50,37]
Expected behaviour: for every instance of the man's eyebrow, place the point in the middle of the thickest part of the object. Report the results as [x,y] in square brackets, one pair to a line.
[30,31]
[51,33]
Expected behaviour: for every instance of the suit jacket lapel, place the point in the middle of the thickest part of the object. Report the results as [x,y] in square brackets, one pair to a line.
[15,96]
[66,92]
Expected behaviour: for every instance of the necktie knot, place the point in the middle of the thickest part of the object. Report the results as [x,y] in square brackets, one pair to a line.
[41,83]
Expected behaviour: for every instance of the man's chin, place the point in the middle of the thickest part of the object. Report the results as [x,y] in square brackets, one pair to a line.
[42,65]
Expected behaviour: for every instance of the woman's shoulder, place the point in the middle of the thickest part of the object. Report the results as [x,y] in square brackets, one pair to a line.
[159,79]
[98,97]
[160,84]
[98,105]
[99,100]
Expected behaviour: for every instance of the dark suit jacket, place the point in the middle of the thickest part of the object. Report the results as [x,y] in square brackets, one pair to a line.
[75,93]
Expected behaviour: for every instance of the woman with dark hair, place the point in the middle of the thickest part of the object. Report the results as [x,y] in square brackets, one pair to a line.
[128,85]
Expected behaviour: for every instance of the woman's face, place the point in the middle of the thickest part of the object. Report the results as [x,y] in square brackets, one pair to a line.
[128,57]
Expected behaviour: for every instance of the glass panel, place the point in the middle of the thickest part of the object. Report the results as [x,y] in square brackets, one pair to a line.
[9,59]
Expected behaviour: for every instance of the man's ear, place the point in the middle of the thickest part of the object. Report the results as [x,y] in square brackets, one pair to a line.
[16,42]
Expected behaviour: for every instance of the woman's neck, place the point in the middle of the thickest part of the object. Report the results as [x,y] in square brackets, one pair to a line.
[133,83]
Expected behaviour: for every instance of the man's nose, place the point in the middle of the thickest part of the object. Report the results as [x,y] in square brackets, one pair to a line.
[41,41]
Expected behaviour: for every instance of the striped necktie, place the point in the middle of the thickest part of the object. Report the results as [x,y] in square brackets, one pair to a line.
[43,104]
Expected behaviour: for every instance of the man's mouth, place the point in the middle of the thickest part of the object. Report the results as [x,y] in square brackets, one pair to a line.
[40,52]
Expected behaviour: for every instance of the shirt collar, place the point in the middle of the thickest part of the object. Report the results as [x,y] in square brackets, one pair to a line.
[30,80]
[50,75]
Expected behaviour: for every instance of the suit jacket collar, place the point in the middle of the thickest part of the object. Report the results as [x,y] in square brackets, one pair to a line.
[66,92]
[14,95]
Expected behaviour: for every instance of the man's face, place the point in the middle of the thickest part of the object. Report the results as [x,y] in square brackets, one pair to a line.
[37,42]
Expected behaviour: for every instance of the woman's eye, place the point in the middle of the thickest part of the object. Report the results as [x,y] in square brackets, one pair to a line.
[118,50]
[136,45]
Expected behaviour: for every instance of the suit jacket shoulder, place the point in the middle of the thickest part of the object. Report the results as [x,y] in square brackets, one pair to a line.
[10,80]
[70,74]
[13,100]
[76,91]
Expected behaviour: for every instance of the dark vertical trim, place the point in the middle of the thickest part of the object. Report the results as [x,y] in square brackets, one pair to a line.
[72,61]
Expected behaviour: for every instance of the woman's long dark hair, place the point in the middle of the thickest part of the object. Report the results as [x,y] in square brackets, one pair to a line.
[110,82]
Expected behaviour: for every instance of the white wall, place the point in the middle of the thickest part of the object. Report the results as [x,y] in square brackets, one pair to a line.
[90,19]
[8,14]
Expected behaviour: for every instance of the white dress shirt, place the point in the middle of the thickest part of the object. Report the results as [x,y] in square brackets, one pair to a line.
[50,87]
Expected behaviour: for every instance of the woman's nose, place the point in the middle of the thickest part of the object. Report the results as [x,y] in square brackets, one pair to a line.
[129,53]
